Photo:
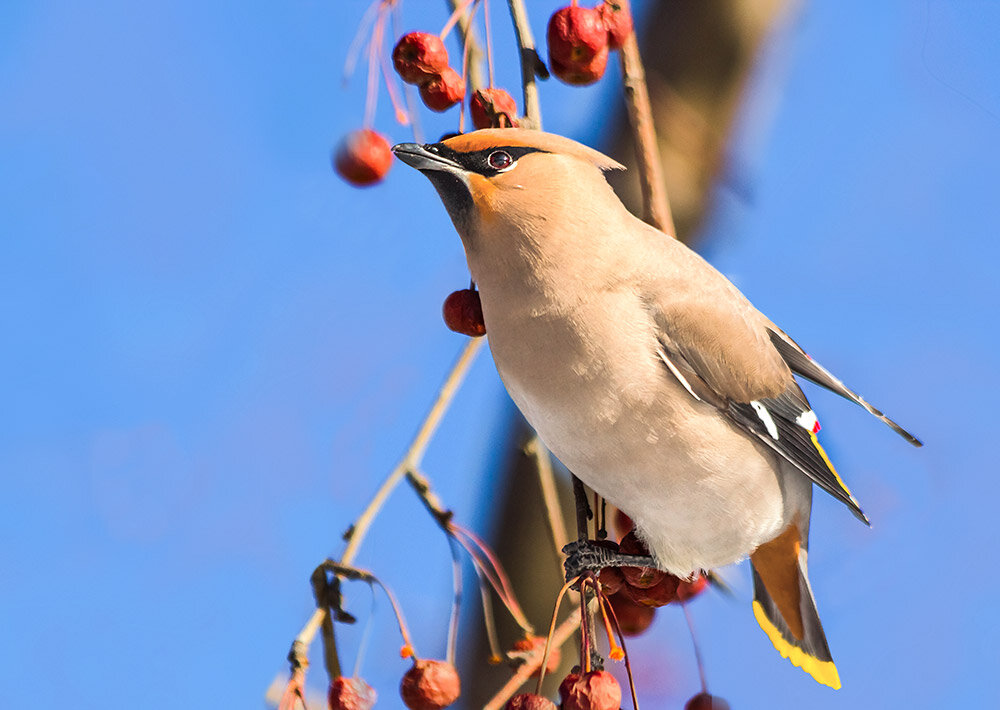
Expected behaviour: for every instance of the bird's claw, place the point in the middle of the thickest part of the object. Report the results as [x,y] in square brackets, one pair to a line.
[590,556]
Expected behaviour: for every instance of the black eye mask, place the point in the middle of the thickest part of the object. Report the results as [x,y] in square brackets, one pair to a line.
[478,161]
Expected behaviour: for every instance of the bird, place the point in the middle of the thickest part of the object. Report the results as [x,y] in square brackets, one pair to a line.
[645,371]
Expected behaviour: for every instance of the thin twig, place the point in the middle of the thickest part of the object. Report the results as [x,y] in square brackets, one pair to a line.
[583,512]
[550,494]
[471,47]
[656,207]
[415,453]
[531,65]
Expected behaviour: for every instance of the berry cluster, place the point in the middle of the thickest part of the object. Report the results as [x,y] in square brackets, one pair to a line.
[580,39]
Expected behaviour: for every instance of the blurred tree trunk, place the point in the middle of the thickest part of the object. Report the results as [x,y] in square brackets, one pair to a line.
[697,56]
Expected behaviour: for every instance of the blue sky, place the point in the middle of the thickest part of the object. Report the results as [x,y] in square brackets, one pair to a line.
[214,349]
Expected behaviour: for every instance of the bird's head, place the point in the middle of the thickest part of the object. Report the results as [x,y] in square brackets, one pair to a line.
[508,189]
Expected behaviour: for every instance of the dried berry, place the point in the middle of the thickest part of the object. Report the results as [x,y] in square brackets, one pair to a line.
[581,73]
[611,579]
[463,313]
[363,157]
[597,690]
[578,44]
[419,57]
[536,644]
[430,685]
[704,701]
[633,618]
[660,594]
[493,108]
[351,694]
[443,91]
[639,577]
[576,34]
[688,589]
[618,22]
[529,701]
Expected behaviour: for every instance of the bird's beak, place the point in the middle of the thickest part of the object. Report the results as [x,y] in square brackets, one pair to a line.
[424,157]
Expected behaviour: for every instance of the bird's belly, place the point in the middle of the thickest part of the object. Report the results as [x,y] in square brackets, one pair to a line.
[702,494]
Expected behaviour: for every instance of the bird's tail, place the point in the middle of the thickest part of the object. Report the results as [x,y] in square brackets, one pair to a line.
[784,607]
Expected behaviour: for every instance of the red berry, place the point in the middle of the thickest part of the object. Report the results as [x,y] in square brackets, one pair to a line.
[660,594]
[690,589]
[618,22]
[623,524]
[577,36]
[537,644]
[581,73]
[430,685]
[611,579]
[493,108]
[640,577]
[597,690]
[704,701]
[529,701]
[419,57]
[351,694]
[363,157]
[633,618]
[443,91]
[463,313]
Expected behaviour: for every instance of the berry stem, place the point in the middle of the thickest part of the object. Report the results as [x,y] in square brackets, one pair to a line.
[550,638]
[697,649]
[621,639]
[489,40]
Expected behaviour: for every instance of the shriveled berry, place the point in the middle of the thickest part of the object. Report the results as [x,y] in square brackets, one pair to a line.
[576,36]
[529,701]
[581,73]
[536,644]
[443,91]
[430,685]
[351,694]
[597,690]
[688,589]
[639,577]
[611,579]
[363,157]
[660,594]
[493,108]
[419,56]
[463,313]
[704,701]
[633,618]
[618,22]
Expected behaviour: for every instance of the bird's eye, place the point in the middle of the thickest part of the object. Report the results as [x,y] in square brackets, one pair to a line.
[499,160]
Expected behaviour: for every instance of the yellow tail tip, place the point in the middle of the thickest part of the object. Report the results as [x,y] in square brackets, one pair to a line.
[824,672]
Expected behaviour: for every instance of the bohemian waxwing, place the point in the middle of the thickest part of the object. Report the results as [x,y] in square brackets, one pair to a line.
[644,370]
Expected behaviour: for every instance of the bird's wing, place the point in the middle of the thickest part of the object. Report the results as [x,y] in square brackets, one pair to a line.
[802,364]
[721,353]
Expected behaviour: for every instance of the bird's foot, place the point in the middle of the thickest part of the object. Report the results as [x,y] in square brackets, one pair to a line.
[594,555]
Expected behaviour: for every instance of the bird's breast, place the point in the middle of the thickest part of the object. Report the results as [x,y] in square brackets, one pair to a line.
[587,377]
